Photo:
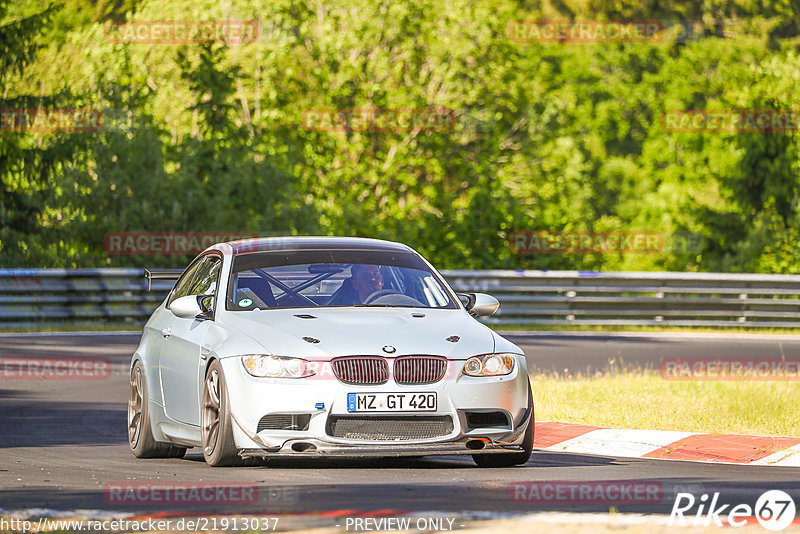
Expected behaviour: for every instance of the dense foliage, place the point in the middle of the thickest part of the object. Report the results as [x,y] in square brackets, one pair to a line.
[546,136]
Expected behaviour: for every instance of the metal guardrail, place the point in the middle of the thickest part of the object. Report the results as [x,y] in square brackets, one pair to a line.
[637,298]
[51,297]
[44,297]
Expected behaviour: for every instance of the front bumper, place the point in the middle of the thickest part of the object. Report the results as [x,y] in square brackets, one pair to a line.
[325,448]
[458,396]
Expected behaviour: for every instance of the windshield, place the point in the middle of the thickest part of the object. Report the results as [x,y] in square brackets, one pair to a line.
[334,278]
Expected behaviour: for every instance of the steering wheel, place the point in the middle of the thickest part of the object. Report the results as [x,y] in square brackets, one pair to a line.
[379,293]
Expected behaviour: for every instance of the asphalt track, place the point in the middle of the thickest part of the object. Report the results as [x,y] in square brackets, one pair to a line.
[63,444]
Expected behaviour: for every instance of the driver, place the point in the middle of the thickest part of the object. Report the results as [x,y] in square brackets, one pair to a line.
[364,281]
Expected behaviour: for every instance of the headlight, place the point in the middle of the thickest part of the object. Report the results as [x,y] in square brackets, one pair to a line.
[489,365]
[276,366]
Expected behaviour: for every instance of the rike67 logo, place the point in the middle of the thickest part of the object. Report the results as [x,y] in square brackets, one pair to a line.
[774,510]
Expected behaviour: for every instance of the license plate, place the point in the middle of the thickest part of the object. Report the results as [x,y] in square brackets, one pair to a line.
[391,402]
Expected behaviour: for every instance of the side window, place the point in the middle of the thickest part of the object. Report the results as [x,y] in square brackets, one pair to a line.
[184,283]
[205,279]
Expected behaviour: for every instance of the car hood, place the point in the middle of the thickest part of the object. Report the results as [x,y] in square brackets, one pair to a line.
[347,331]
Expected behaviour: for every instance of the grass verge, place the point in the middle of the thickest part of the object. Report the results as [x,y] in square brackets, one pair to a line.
[640,398]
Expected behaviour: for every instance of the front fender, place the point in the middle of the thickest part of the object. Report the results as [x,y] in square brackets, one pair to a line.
[147,354]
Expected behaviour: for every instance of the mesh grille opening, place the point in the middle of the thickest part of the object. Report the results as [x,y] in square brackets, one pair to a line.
[486,419]
[280,421]
[389,428]
[419,369]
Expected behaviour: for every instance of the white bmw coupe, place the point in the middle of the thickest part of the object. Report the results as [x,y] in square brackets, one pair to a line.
[309,346]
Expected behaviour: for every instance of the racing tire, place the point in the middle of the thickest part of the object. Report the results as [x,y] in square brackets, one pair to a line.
[219,448]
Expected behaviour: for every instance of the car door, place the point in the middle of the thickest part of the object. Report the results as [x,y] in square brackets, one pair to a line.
[180,356]
[160,325]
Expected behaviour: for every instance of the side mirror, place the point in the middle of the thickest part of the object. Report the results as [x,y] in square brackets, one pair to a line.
[479,304]
[193,306]
[206,303]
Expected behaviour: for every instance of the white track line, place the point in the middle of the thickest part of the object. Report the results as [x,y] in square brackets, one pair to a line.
[786,458]
[611,442]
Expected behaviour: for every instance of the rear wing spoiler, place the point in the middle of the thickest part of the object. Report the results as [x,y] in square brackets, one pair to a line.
[161,274]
